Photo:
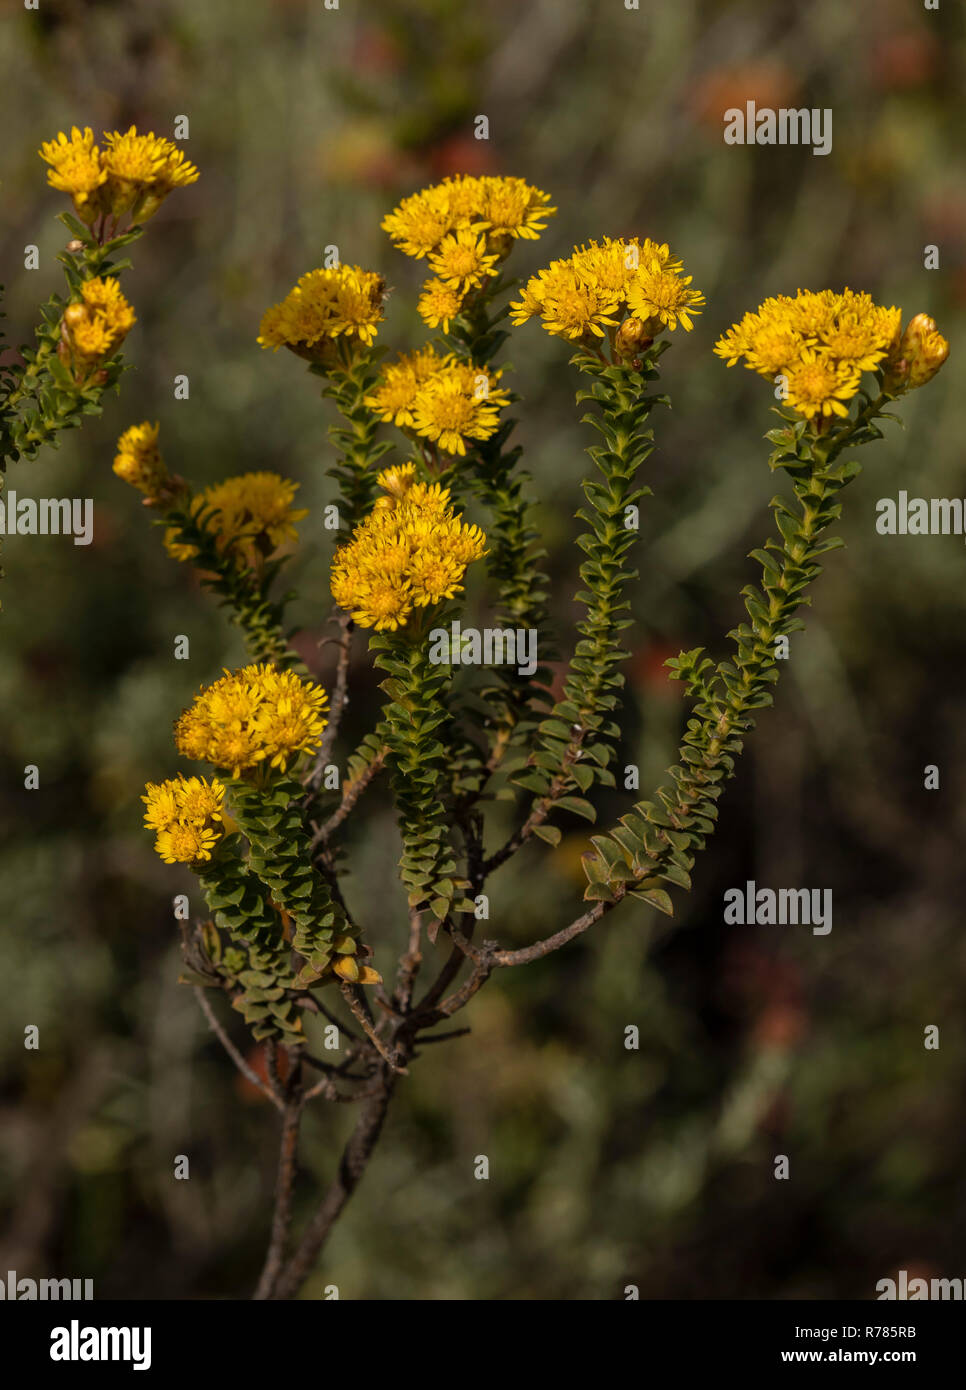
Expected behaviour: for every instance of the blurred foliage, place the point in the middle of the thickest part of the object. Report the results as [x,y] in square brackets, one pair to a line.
[608,1167]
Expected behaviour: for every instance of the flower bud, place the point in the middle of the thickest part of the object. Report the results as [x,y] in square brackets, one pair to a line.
[346,968]
[633,338]
[920,353]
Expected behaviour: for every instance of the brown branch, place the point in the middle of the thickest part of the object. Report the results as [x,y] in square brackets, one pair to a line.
[284,1190]
[232,1050]
[428,1012]
[526,954]
[352,1165]
[352,998]
[476,868]
[542,806]
[350,795]
[443,1037]
[339,700]
[315,1006]
[326,1087]
[409,964]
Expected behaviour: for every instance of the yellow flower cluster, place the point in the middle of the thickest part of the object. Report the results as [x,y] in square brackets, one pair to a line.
[412,550]
[132,174]
[93,328]
[821,343]
[258,716]
[188,817]
[439,398]
[327,305]
[465,226]
[250,516]
[600,284]
[138,459]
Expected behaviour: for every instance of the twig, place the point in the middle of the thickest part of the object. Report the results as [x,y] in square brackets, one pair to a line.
[351,996]
[526,954]
[541,808]
[315,1006]
[233,1052]
[409,963]
[327,1088]
[340,698]
[443,1037]
[350,795]
[426,1016]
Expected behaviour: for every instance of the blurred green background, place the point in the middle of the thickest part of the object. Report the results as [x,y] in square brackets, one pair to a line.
[608,1167]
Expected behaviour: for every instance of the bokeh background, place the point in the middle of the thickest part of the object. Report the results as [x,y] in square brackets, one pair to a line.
[608,1167]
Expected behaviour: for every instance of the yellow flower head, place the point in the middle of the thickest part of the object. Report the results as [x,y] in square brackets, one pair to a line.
[459,402]
[250,516]
[407,555]
[462,260]
[255,717]
[188,817]
[132,173]
[94,327]
[597,287]
[439,303]
[661,293]
[75,168]
[340,302]
[502,208]
[142,170]
[821,343]
[138,460]
[395,390]
[422,220]
[819,385]
[465,226]
[514,208]
[396,481]
[440,398]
